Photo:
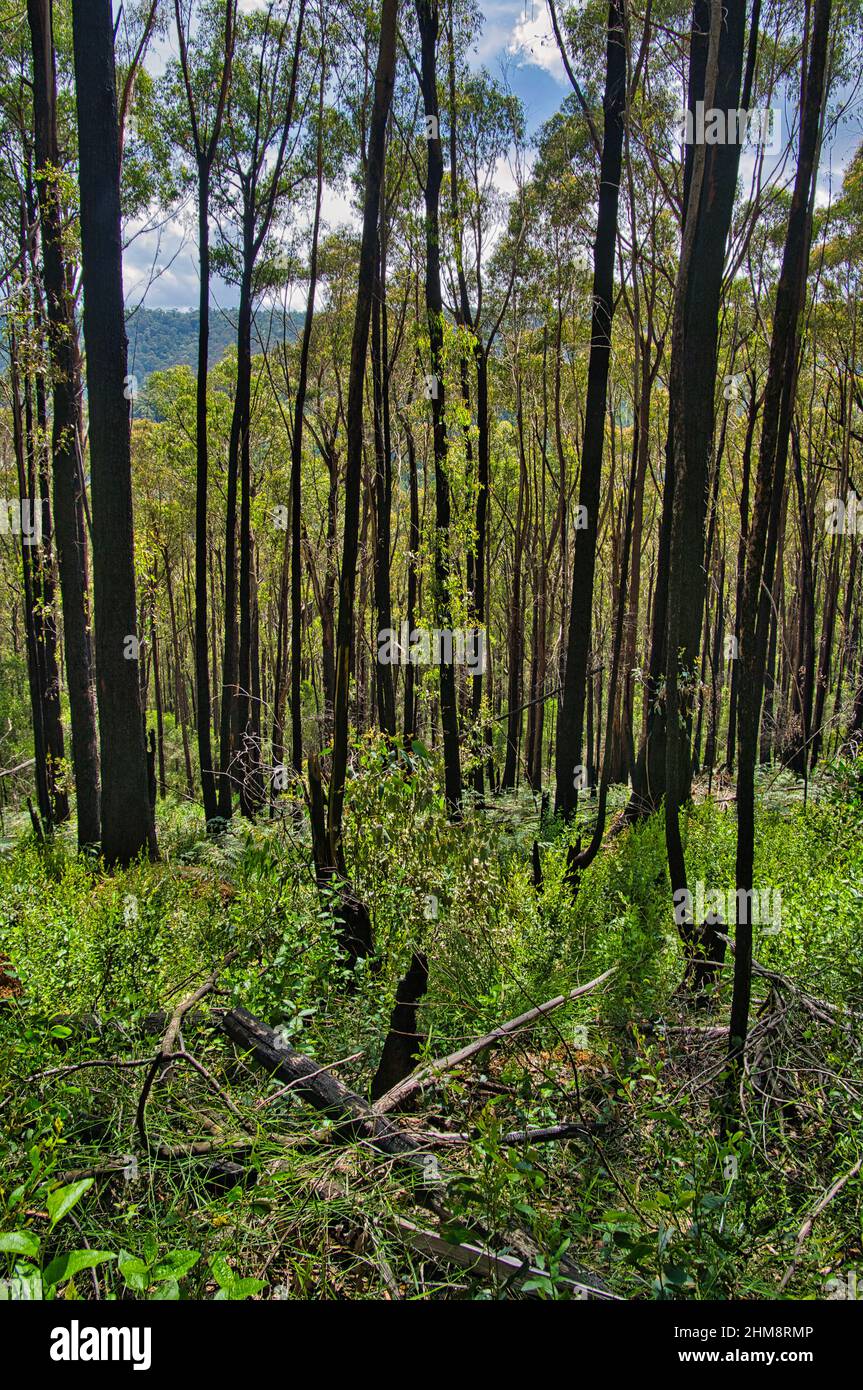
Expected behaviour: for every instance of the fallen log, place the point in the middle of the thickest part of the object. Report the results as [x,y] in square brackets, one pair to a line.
[431,1074]
[320,1089]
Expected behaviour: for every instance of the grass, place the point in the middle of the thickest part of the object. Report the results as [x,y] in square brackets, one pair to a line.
[647,1198]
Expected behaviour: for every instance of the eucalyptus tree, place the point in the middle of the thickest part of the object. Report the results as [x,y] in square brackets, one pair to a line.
[710,179]
[485,127]
[384,82]
[260,137]
[428,24]
[780,390]
[126,813]
[571,712]
[205,36]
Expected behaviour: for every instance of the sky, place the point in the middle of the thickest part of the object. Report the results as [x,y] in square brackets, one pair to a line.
[516,35]
[160,267]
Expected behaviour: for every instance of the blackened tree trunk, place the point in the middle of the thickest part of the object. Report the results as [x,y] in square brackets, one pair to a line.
[754,405]
[205,152]
[384,82]
[796,752]
[427,19]
[383,484]
[779,396]
[30,528]
[571,715]
[297,461]
[515,634]
[650,768]
[409,718]
[126,814]
[70,534]
[692,390]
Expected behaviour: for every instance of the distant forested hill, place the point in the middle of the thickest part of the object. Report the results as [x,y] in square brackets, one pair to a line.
[162,338]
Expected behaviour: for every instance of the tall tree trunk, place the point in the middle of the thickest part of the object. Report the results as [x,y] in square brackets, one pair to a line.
[384,82]
[202,676]
[409,717]
[70,533]
[229,724]
[427,19]
[571,715]
[126,814]
[205,151]
[691,404]
[383,484]
[30,528]
[779,397]
[296,464]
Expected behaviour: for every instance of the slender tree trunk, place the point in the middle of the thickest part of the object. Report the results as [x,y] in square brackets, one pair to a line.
[779,397]
[202,677]
[691,403]
[409,718]
[383,488]
[384,82]
[571,713]
[296,466]
[70,533]
[427,19]
[126,814]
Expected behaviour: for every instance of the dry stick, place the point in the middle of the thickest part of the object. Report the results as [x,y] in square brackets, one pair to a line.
[166,1050]
[480,1261]
[806,1229]
[429,1075]
[514,1138]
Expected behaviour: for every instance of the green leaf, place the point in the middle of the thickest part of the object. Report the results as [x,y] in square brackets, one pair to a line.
[169,1291]
[135,1272]
[61,1201]
[222,1272]
[20,1243]
[241,1288]
[175,1264]
[22,1287]
[59,1031]
[66,1266]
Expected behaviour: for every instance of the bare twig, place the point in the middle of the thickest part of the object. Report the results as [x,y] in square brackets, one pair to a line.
[429,1075]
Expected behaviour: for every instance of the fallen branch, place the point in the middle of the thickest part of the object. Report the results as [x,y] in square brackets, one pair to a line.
[479,1261]
[806,1229]
[166,1053]
[326,1093]
[431,1074]
[545,1135]
[319,1088]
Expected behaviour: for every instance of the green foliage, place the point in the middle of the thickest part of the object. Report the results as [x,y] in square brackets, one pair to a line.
[646,1197]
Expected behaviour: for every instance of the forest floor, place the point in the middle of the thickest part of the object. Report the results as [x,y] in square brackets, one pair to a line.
[123,1174]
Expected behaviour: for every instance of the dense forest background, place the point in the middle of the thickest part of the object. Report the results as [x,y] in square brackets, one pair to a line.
[431,670]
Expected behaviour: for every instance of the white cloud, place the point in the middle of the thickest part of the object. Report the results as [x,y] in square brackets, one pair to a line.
[533,42]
